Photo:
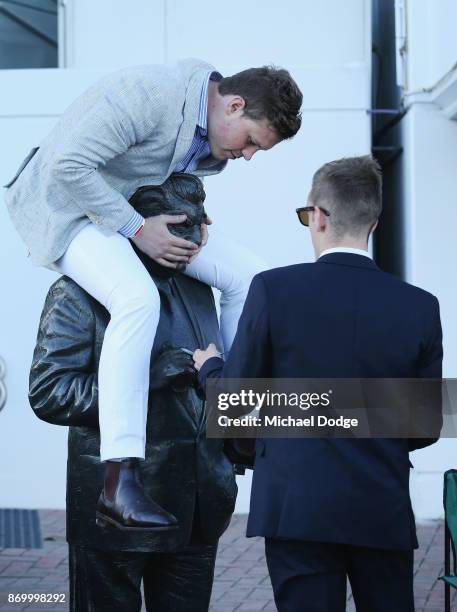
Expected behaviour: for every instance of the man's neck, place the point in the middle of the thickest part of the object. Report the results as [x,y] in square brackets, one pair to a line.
[213,95]
[349,243]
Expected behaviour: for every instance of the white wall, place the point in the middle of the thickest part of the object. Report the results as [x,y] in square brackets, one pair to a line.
[430,142]
[430,197]
[327,47]
[111,34]
[432,42]
[33,453]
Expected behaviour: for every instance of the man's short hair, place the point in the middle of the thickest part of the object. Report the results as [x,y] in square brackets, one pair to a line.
[269,93]
[351,190]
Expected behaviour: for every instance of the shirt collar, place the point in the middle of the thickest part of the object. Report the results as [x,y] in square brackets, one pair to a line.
[202,121]
[346,250]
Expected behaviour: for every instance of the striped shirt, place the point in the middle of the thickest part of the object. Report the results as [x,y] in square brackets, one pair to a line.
[199,149]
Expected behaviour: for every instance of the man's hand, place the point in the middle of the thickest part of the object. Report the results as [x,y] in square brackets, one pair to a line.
[204,231]
[200,357]
[159,243]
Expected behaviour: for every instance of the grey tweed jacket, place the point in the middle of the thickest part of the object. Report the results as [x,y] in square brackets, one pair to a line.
[129,129]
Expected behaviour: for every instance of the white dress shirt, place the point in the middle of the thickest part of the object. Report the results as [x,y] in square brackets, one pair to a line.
[346,250]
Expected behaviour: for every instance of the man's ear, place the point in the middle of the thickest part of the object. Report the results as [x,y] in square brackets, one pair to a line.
[234,104]
[320,219]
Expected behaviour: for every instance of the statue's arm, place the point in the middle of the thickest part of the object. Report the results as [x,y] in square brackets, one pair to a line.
[63,387]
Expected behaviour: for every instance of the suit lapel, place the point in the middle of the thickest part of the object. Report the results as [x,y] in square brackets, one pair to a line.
[201,337]
[198,334]
[190,116]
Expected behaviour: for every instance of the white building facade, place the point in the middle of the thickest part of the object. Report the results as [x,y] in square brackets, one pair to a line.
[427,77]
[326,45]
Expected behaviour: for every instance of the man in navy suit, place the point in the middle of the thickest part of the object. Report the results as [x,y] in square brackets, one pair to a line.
[337,507]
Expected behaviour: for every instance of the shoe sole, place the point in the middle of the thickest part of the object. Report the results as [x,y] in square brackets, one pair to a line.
[105,521]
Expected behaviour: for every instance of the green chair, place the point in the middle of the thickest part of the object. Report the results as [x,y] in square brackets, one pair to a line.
[450,535]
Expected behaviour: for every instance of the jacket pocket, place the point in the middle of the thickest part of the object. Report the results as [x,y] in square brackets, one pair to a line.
[21,167]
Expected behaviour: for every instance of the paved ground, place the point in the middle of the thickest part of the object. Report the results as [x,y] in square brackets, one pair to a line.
[241,581]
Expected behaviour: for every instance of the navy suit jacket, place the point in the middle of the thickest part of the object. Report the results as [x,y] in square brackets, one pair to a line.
[340,317]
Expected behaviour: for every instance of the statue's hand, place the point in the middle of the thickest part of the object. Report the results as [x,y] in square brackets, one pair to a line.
[173,367]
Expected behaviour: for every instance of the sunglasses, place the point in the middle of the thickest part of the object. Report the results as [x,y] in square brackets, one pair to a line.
[303,213]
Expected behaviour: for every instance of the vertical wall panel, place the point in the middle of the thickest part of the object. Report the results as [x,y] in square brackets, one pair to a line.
[327,47]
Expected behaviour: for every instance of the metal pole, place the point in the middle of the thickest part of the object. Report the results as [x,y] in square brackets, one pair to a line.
[447,567]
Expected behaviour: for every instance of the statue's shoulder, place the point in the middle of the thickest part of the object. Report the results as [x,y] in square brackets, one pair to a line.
[67,294]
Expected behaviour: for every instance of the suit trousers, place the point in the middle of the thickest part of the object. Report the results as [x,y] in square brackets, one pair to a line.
[108,268]
[110,581]
[311,577]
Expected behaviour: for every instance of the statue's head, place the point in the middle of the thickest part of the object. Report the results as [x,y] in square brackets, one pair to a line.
[179,194]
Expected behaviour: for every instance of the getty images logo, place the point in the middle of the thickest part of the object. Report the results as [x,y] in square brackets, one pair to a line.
[256,401]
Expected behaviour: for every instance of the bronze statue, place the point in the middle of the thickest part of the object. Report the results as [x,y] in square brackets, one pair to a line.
[185,472]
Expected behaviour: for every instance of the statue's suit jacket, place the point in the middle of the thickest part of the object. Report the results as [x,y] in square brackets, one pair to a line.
[341,317]
[129,129]
[182,467]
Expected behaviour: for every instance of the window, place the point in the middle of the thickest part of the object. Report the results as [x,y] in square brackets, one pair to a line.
[28,34]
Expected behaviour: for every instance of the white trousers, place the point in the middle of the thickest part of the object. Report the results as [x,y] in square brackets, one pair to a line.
[110,271]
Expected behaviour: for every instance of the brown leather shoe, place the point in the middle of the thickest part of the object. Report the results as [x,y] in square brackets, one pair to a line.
[124,504]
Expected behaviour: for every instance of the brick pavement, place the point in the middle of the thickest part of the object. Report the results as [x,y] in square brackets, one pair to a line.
[241,580]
